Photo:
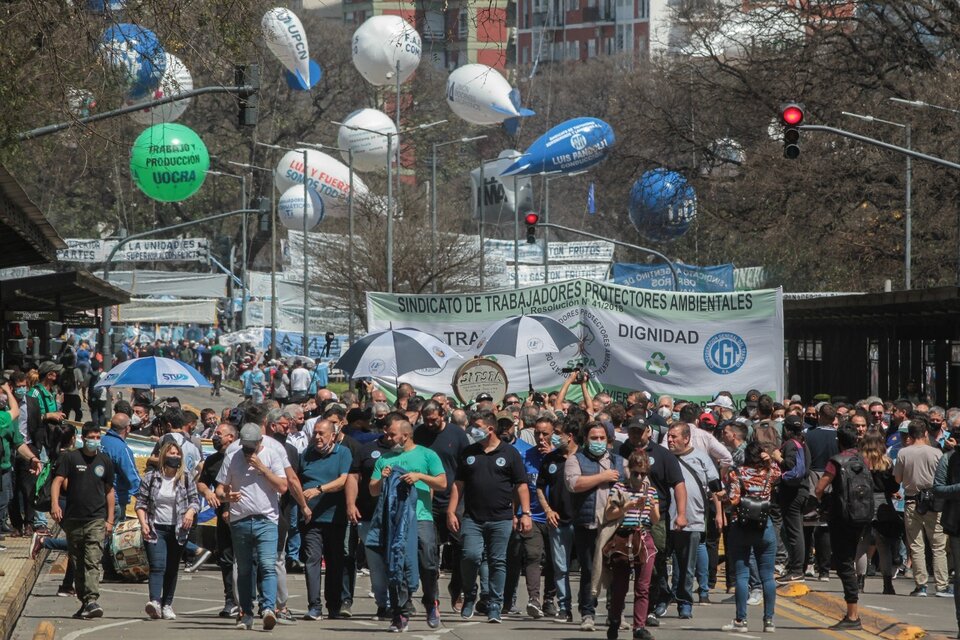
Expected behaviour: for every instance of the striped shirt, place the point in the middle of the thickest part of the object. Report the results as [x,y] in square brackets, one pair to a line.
[639,516]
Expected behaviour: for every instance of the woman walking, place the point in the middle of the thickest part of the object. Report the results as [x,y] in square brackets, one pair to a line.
[886,520]
[167,504]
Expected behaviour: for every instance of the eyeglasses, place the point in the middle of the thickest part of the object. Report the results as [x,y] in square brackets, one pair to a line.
[877,413]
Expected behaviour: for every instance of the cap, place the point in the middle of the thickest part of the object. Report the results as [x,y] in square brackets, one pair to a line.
[707,418]
[235,417]
[723,402]
[795,421]
[637,423]
[796,398]
[484,397]
[753,395]
[48,366]
[250,435]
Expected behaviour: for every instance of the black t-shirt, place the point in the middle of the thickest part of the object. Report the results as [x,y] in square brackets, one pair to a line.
[822,443]
[354,447]
[665,473]
[489,480]
[88,481]
[366,460]
[286,500]
[208,474]
[449,444]
[551,482]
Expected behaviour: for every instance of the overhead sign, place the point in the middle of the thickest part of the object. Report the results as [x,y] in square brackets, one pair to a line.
[528,274]
[692,344]
[589,251]
[658,276]
[147,250]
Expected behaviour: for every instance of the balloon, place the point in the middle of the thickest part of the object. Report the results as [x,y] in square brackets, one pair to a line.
[380,43]
[169,162]
[570,146]
[328,176]
[369,149]
[290,208]
[105,6]
[316,74]
[662,205]
[724,159]
[287,40]
[135,52]
[480,95]
[500,199]
[176,79]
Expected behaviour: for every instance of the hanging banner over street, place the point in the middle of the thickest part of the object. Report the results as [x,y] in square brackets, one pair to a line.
[657,276]
[529,274]
[688,345]
[589,251]
[147,250]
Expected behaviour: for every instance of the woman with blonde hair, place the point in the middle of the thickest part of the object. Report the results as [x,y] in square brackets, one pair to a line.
[886,523]
[167,504]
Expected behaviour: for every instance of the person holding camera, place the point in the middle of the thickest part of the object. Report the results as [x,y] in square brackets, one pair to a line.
[576,376]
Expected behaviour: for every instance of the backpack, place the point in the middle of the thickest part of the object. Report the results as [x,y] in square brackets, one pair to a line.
[853,492]
[795,477]
[765,432]
[43,497]
[93,394]
[68,380]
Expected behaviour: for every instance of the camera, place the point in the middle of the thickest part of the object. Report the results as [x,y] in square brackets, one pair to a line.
[539,399]
[581,374]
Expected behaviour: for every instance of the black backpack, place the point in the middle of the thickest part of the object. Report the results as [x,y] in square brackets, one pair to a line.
[853,490]
[68,380]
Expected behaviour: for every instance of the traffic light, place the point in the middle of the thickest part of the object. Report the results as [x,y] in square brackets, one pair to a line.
[791,117]
[248,101]
[531,219]
[17,334]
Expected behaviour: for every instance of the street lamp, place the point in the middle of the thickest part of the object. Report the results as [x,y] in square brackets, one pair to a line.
[243,244]
[306,280]
[273,251]
[548,177]
[908,244]
[352,280]
[390,135]
[433,197]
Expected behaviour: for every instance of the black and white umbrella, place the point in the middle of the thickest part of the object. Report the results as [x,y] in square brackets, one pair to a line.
[524,336]
[395,352]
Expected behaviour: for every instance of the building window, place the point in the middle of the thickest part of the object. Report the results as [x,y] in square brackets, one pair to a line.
[591,48]
[463,26]
[433,27]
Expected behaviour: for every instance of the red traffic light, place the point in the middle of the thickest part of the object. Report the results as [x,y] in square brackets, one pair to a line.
[532,218]
[791,115]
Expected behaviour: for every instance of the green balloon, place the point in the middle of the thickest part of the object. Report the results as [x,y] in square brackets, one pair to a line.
[169,162]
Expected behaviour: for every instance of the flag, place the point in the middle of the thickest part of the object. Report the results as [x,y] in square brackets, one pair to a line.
[591,201]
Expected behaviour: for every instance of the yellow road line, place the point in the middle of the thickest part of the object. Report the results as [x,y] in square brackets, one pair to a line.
[807,616]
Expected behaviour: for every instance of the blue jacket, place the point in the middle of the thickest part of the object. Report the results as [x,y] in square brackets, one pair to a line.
[585,504]
[126,478]
[393,530]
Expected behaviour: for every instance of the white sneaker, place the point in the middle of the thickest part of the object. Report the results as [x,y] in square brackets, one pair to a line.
[737,626]
[153,610]
[756,597]
[168,613]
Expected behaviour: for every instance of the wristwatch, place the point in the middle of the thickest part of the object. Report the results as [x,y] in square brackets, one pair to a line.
[526,513]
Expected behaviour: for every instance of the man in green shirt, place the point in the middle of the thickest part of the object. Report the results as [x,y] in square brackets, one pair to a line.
[11,443]
[424,471]
[45,391]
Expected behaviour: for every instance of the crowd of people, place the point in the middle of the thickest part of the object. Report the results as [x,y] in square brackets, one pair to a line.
[649,491]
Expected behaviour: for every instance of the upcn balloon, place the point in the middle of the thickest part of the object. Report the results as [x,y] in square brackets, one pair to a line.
[137,54]
[287,40]
[501,199]
[291,210]
[369,149]
[176,80]
[570,146]
[383,42]
[480,95]
[663,205]
[169,162]
[329,177]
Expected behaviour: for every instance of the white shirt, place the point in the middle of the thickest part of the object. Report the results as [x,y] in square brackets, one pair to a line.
[268,443]
[257,495]
[299,440]
[299,380]
[704,441]
[308,427]
[166,501]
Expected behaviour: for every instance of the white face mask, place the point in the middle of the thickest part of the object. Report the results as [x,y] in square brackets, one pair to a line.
[135,420]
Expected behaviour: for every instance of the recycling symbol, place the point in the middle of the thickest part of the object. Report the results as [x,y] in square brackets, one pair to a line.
[658,365]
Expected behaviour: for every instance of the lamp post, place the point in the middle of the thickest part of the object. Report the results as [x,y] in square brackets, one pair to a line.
[908,222]
[433,197]
[273,251]
[306,273]
[548,177]
[479,201]
[352,303]
[243,242]
[390,135]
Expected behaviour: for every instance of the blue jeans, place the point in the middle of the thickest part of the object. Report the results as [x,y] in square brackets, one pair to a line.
[255,537]
[293,534]
[561,547]
[743,544]
[378,570]
[164,556]
[685,547]
[6,493]
[492,538]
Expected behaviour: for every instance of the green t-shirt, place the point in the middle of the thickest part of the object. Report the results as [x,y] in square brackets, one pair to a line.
[10,440]
[419,460]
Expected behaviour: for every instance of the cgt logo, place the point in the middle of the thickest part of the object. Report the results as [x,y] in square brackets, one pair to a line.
[174,377]
[724,353]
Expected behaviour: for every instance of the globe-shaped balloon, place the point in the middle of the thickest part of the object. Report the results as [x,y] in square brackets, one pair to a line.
[295,205]
[176,80]
[382,43]
[369,149]
[663,205]
[169,162]
[137,54]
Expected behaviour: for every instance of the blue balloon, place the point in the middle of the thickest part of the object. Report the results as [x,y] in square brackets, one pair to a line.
[663,205]
[295,83]
[574,145]
[138,54]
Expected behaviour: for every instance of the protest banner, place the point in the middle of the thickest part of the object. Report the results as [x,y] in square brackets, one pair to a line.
[658,276]
[95,251]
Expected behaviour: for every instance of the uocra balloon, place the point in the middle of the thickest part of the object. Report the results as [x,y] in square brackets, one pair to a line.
[480,95]
[663,205]
[571,146]
[169,162]
[290,208]
[176,79]
[137,54]
[383,42]
[287,40]
[369,149]
[329,177]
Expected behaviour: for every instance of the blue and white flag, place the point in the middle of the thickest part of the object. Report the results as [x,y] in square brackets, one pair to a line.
[591,201]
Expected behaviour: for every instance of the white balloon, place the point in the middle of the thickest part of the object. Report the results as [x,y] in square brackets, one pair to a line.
[479,94]
[329,177]
[287,40]
[290,208]
[369,149]
[176,79]
[502,198]
[380,43]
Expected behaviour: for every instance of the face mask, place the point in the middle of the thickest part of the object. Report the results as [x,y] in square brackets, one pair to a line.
[135,420]
[20,392]
[217,442]
[397,448]
[280,436]
[476,434]
[675,415]
[172,462]
[90,444]
[508,438]
[597,448]
[556,441]
[249,451]
[664,412]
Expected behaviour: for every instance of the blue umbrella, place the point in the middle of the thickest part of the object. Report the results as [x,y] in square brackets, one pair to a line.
[153,373]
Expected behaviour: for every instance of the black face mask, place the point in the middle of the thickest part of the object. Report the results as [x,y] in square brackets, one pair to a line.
[508,438]
[280,437]
[217,442]
[249,451]
[172,463]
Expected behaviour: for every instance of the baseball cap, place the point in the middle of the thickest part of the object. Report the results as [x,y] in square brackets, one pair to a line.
[250,435]
[484,397]
[707,418]
[48,366]
[235,417]
[637,423]
[723,402]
